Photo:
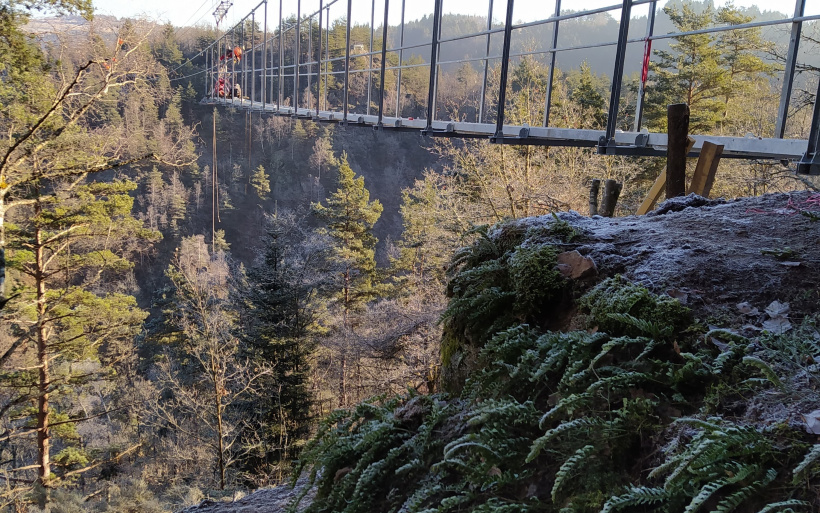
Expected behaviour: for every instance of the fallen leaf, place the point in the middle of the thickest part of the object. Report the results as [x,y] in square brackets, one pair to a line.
[680,295]
[778,309]
[720,345]
[812,421]
[777,325]
[747,309]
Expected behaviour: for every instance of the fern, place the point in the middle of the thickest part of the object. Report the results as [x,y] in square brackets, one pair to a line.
[653,329]
[784,506]
[637,496]
[566,427]
[580,456]
[810,459]
[764,368]
[736,499]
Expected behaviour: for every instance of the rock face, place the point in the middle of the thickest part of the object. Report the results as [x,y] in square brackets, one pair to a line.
[268,500]
[710,254]
[713,255]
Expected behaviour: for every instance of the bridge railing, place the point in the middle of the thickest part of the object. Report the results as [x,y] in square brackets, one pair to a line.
[302,58]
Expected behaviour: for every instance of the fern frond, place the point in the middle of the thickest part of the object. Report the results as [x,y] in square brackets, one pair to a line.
[581,423]
[647,327]
[568,466]
[765,368]
[566,403]
[731,502]
[782,505]
[811,457]
[636,496]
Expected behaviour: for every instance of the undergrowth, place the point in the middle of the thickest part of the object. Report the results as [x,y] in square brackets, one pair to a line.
[636,415]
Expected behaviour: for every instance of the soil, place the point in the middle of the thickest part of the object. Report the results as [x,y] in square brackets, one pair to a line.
[749,264]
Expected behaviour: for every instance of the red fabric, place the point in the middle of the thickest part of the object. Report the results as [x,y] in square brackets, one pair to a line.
[647,55]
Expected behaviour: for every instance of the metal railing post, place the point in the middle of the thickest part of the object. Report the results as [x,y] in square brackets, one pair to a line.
[486,64]
[280,82]
[551,76]
[347,59]
[650,30]
[319,62]
[505,68]
[253,58]
[788,73]
[810,164]
[297,57]
[401,60]
[617,77]
[264,83]
[431,91]
[383,64]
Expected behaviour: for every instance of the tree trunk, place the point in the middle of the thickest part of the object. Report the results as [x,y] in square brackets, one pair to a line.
[612,190]
[343,383]
[593,197]
[678,121]
[220,429]
[2,247]
[43,461]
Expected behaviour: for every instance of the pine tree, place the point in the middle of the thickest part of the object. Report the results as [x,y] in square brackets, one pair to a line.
[260,182]
[279,317]
[691,72]
[71,245]
[589,97]
[350,216]
[747,73]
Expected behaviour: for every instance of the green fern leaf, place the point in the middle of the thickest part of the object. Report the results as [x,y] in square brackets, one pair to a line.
[811,457]
[637,496]
[764,368]
[568,466]
[783,505]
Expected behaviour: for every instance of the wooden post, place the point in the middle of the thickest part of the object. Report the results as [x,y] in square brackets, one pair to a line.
[677,116]
[612,190]
[705,171]
[659,186]
[593,197]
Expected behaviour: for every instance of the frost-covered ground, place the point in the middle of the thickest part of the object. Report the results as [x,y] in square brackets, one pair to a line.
[267,500]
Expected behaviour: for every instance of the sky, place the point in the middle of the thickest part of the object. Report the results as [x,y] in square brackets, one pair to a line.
[190,12]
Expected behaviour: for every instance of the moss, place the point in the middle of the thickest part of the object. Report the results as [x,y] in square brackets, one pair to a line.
[534,278]
[620,296]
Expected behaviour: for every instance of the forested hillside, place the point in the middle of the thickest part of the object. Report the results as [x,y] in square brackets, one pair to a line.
[190,294]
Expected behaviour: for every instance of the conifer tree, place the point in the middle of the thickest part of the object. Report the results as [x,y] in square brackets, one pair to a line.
[350,216]
[279,319]
[71,244]
[260,182]
[690,72]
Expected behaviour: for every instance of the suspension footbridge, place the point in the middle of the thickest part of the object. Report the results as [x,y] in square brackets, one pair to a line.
[302,58]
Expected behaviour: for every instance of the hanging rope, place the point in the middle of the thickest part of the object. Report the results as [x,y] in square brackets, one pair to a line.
[214,190]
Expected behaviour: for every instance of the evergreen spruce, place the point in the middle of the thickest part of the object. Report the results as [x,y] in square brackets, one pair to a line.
[350,216]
